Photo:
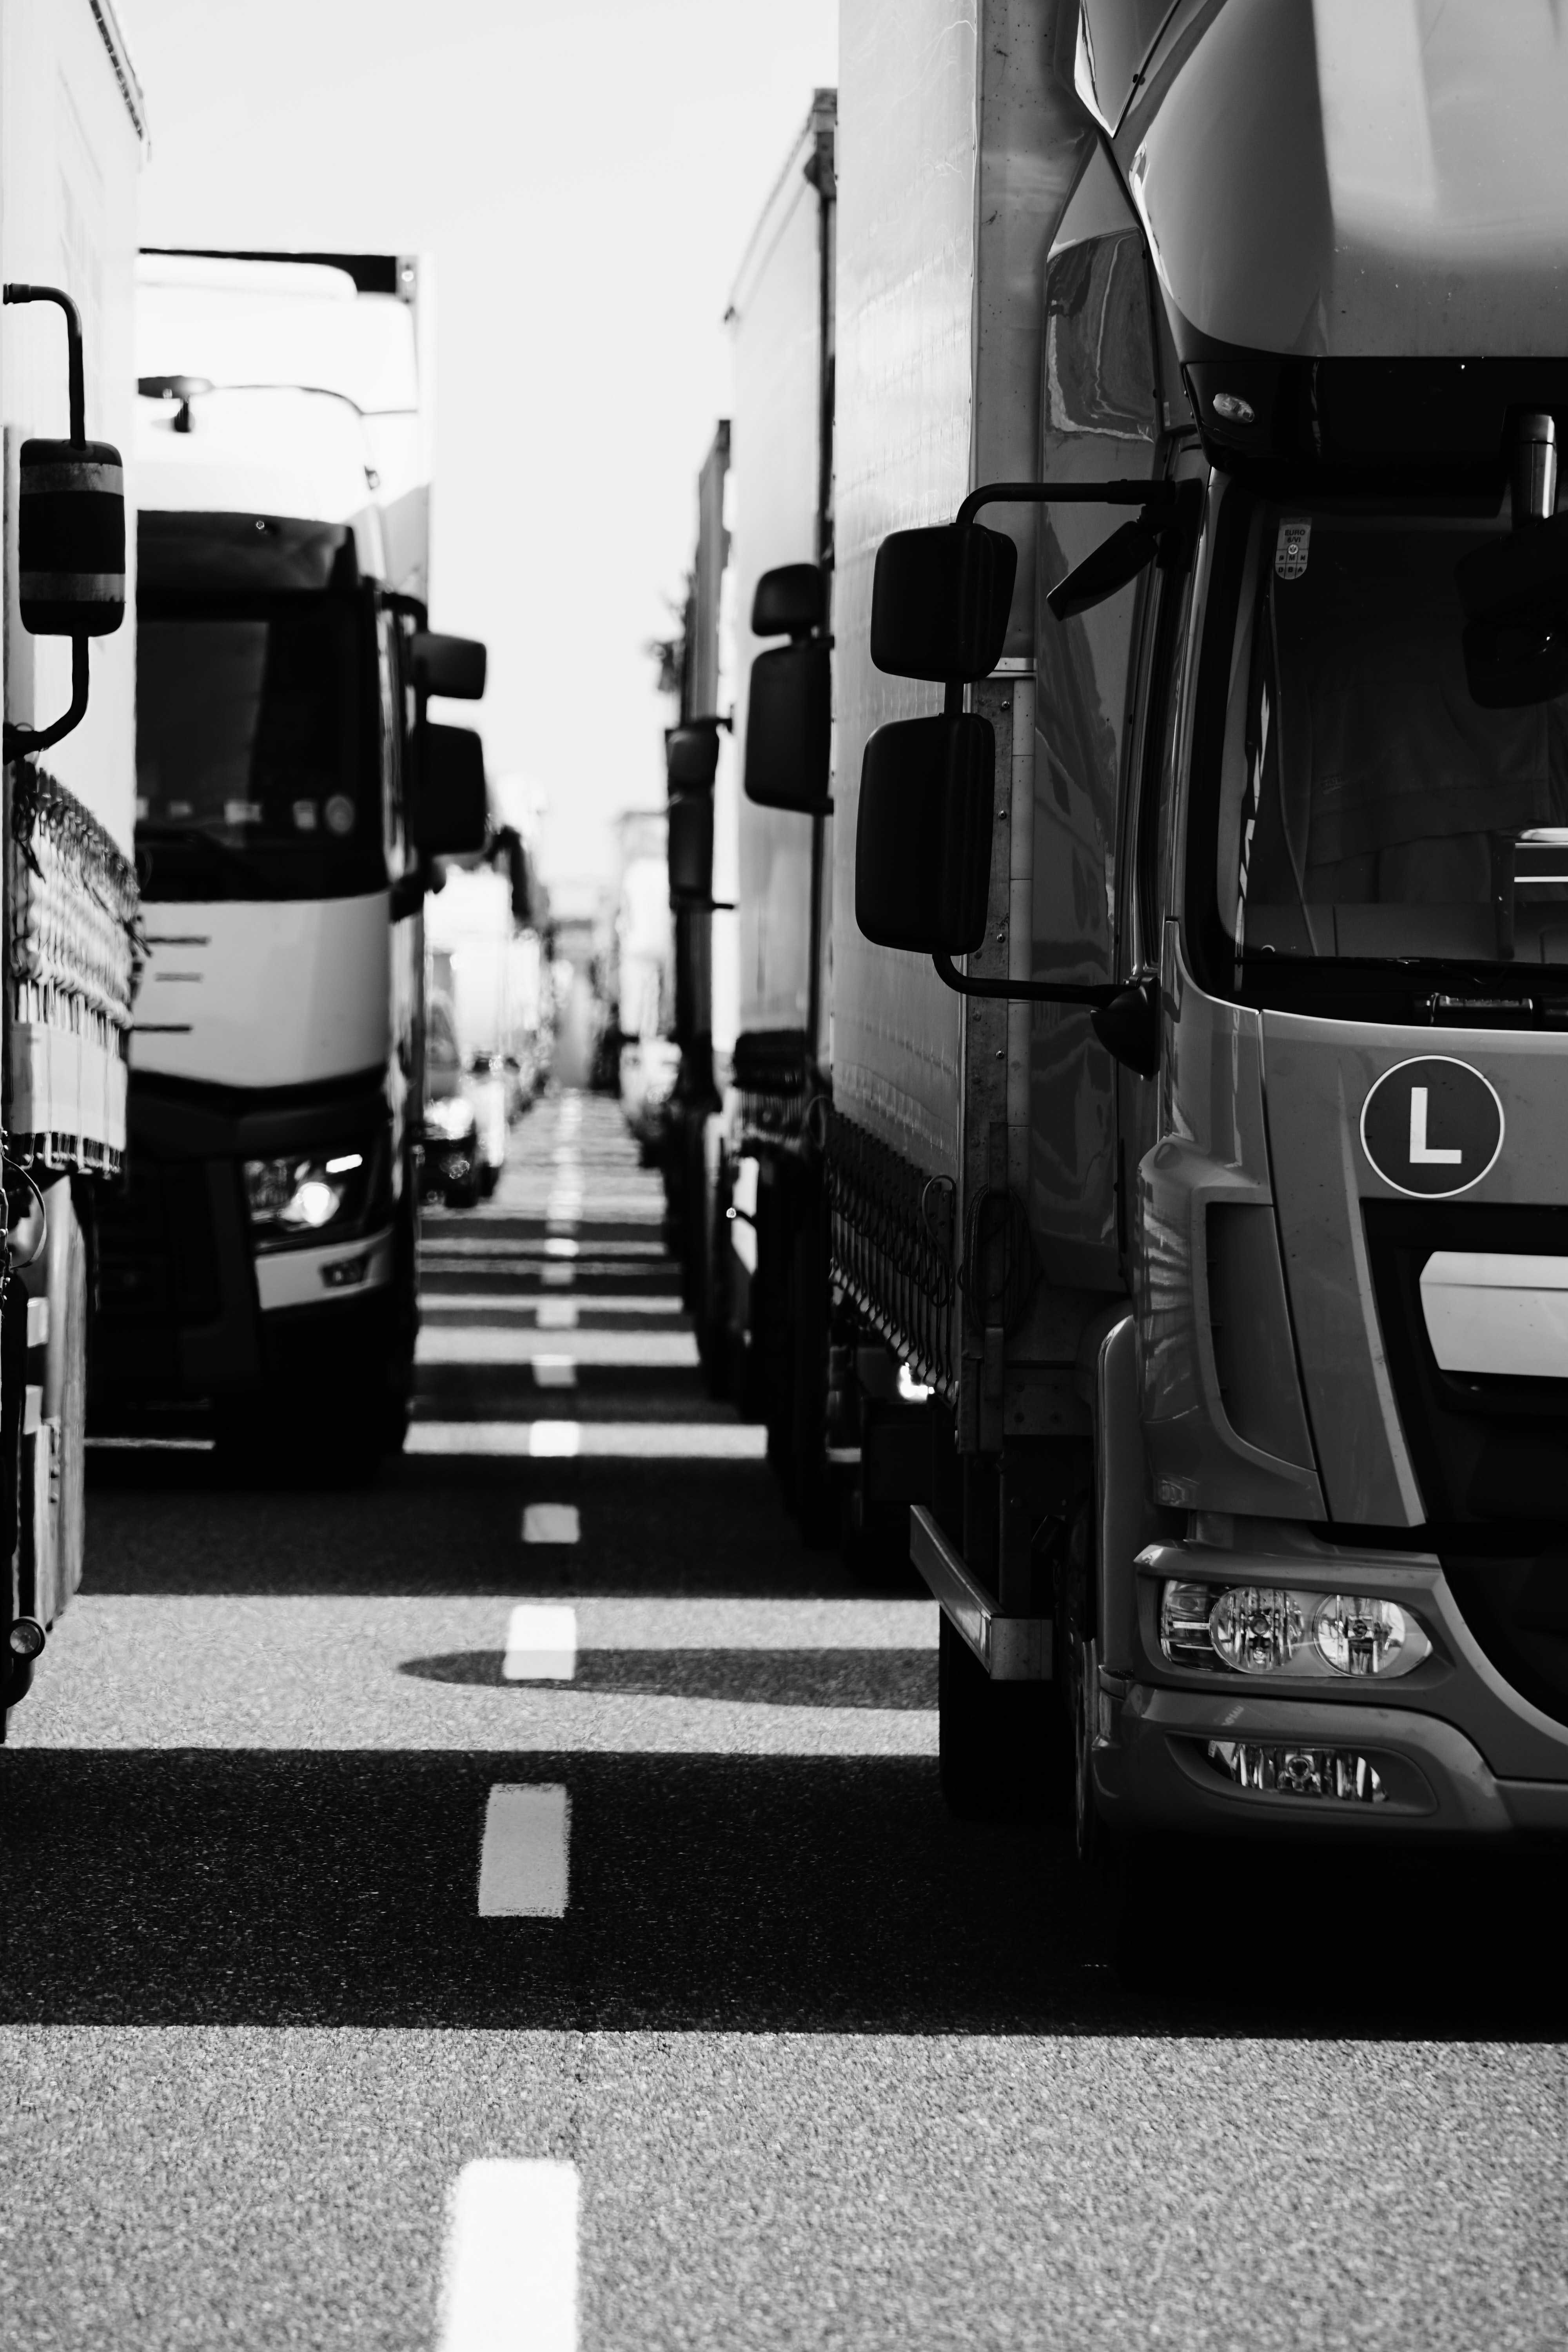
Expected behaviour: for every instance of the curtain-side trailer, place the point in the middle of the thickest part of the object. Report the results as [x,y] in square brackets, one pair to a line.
[72,135]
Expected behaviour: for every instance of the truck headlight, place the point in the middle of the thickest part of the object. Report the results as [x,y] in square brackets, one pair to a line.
[296,1197]
[1259,1629]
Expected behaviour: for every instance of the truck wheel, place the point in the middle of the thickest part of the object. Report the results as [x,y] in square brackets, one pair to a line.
[997,1742]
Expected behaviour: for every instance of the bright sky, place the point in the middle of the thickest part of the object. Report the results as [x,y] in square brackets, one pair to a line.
[586,173]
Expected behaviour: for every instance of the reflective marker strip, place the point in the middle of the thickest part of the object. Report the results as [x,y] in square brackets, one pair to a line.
[522,1857]
[556,1246]
[541,1643]
[510,2282]
[551,1523]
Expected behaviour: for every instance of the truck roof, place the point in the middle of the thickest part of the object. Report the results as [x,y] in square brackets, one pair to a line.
[293,384]
[1329,179]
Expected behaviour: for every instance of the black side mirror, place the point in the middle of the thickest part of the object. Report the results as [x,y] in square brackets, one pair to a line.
[789,728]
[450,666]
[449,807]
[1129,549]
[1514,591]
[70,538]
[791,601]
[923,846]
[692,757]
[940,602]
[691,850]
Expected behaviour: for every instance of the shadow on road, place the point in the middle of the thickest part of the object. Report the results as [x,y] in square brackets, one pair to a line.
[711,1893]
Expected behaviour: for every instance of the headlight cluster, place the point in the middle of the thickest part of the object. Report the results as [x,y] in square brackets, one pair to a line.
[449,1116]
[1259,1628]
[294,1199]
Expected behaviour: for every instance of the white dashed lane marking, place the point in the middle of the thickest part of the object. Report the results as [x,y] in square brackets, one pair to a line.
[551,1523]
[557,1315]
[523,1853]
[510,2280]
[548,1372]
[542,1639]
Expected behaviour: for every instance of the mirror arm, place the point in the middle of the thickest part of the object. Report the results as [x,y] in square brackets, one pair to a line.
[1024,991]
[21,741]
[1123,1015]
[1154,494]
[75,379]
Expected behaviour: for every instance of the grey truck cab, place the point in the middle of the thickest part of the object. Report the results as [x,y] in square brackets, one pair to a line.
[1298,1185]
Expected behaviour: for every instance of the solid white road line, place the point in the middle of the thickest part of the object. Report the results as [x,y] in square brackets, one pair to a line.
[614,1441]
[551,1523]
[511,2282]
[548,1372]
[523,1856]
[541,1641]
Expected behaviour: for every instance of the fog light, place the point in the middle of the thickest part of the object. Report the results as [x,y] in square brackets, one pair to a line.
[1358,1636]
[1256,1629]
[1341,1775]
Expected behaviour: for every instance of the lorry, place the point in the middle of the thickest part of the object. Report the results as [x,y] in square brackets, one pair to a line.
[641,1041]
[1199,923]
[754,1224]
[72,139]
[259,1275]
[485,942]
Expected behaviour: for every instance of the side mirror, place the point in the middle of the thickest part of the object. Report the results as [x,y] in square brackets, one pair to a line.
[1514,591]
[789,728]
[692,757]
[922,847]
[450,666]
[449,806]
[690,851]
[1107,569]
[70,538]
[791,601]
[940,602]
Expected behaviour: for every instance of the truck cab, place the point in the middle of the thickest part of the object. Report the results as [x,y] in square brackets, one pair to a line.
[1284,1250]
[259,1277]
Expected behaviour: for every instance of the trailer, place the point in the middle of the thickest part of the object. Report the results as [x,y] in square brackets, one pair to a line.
[72,139]
[1200,925]
[753,1229]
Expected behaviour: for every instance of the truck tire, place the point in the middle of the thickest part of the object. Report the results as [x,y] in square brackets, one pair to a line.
[998,1744]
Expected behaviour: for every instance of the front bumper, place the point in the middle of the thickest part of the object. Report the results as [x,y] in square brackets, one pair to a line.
[1453,1750]
[1151,1770]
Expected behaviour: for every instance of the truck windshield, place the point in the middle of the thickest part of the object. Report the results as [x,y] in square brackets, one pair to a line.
[1369,808]
[257,757]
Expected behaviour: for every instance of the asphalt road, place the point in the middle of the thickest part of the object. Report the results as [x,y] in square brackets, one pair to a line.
[328,1877]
